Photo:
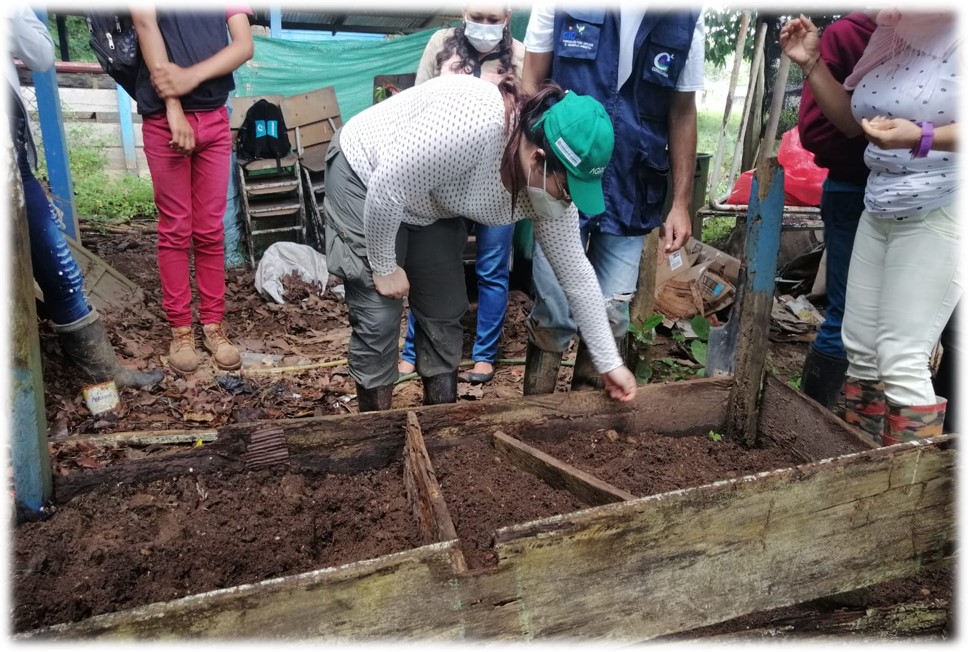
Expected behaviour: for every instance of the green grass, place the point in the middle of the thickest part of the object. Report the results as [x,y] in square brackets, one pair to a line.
[102,198]
[710,125]
[716,230]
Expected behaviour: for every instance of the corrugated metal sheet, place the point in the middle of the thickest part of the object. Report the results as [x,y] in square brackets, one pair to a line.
[375,21]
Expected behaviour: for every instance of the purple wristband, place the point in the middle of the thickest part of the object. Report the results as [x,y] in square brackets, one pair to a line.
[927,139]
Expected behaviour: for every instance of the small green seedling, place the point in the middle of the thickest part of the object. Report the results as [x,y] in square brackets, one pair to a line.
[715,436]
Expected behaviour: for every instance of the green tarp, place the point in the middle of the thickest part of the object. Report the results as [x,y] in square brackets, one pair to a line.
[288,67]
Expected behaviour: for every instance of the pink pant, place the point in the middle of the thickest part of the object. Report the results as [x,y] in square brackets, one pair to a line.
[190,192]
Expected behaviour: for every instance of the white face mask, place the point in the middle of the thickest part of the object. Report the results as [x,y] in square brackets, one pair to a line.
[544,204]
[483,38]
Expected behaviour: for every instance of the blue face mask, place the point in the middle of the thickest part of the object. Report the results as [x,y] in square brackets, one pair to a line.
[483,38]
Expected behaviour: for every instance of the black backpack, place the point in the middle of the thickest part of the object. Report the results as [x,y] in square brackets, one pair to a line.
[115,44]
[263,133]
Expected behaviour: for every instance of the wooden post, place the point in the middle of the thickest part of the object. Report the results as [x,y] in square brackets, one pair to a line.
[716,171]
[33,485]
[643,303]
[748,104]
[764,221]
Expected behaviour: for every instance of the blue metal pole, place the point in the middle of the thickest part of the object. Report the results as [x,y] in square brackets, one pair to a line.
[127,131]
[55,143]
[275,21]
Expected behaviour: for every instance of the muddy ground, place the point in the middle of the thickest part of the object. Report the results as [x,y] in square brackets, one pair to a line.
[178,537]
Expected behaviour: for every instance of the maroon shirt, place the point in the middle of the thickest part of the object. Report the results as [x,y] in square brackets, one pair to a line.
[841,45]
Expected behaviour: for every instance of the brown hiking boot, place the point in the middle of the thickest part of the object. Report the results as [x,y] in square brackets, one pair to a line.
[225,354]
[181,354]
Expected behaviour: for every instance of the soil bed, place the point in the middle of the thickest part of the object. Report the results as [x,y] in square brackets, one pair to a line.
[124,546]
[484,492]
[648,463]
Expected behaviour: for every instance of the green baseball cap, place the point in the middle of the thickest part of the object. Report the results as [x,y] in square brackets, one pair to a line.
[581,136]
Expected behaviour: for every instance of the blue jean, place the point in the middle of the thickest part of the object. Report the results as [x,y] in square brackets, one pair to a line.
[615,260]
[55,269]
[840,208]
[492,265]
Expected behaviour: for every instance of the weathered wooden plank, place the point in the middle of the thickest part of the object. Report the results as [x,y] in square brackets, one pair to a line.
[691,558]
[557,473]
[763,223]
[407,595]
[423,491]
[910,620]
[633,570]
[148,437]
[802,426]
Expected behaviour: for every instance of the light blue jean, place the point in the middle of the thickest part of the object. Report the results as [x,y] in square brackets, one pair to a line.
[493,268]
[615,260]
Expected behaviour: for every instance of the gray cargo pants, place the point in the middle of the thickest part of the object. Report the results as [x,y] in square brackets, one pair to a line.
[431,256]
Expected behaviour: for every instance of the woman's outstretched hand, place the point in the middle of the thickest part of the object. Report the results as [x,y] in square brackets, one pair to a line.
[620,384]
[800,40]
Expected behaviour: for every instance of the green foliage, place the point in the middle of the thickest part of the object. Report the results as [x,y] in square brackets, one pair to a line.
[701,326]
[788,120]
[722,30]
[78,38]
[101,198]
[699,347]
[716,230]
[645,332]
[384,91]
[644,336]
[795,381]
[715,436]
[674,370]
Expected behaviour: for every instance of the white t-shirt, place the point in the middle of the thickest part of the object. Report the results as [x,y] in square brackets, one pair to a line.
[914,86]
[434,152]
[540,38]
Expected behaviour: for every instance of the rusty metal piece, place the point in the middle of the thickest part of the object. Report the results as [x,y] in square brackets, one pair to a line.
[267,446]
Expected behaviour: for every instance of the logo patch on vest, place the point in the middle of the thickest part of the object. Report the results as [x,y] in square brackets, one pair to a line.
[579,37]
[661,63]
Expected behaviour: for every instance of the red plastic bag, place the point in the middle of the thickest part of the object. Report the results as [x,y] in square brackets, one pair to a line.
[803,179]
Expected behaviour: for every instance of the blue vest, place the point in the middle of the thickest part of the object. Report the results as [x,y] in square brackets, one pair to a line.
[585,59]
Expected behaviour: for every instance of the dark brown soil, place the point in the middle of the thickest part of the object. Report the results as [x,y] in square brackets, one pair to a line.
[650,463]
[125,546]
[485,492]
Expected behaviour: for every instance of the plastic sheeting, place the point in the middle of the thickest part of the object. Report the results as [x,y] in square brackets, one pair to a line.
[235,256]
[284,258]
[290,67]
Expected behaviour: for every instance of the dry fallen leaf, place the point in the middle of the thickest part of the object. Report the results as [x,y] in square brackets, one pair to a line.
[201,417]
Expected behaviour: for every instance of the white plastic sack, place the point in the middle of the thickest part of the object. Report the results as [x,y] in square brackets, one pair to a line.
[284,258]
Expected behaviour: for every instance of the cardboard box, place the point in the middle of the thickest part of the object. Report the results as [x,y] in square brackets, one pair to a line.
[701,280]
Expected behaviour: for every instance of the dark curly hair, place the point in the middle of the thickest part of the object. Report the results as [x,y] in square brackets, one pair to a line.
[468,57]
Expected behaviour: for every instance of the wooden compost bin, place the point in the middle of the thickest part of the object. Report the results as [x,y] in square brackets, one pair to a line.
[850,515]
